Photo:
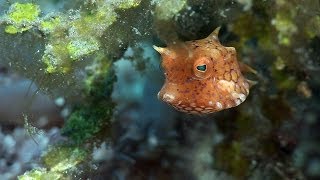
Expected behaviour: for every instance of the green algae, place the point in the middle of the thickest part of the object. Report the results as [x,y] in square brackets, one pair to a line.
[81,41]
[231,159]
[20,13]
[258,29]
[79,48]
[48,26]
[284,79]
[21,17]
[40,174]
[165,10]
[12,29]
[84,123]
[55,56]
[126,4]
[70,37]
[312,28]
[93,23]
[88,120]
[62,158]
[58,160]
[285,27]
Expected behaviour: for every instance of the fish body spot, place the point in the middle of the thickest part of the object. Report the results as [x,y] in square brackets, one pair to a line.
[218,105]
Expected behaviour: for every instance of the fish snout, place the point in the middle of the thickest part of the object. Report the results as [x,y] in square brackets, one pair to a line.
[166,97]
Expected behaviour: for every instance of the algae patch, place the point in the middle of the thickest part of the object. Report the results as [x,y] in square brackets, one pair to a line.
[21,17]
[58,160]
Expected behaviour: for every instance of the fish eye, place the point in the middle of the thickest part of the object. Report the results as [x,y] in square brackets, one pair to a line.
[202,68]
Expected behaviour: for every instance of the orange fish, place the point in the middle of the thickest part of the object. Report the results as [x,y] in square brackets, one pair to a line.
[202,76]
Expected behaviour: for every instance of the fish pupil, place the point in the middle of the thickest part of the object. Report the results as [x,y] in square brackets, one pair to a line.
[202,67]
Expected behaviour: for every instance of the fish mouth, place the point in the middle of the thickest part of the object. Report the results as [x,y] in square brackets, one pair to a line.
[168,93]
[176,102]
[166,97]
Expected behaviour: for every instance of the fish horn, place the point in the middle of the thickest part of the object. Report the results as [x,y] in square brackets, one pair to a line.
[251,82]
[162,50]
[246,68]
[215,33]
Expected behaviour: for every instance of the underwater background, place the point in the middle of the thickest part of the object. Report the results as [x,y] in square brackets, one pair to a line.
[79,82]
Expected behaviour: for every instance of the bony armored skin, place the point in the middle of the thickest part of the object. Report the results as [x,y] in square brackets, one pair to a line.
[202,76]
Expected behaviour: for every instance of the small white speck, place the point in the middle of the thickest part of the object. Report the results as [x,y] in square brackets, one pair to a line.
[104,152]
[65,112]
[129,52]
[219,105]
[242,97]
[8,142]
[222,14]
[136,31]
[59,101]
[239,96]
[237,101]
[246,86]
[168,97]
[153,141]
[43,120]
[210,103]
